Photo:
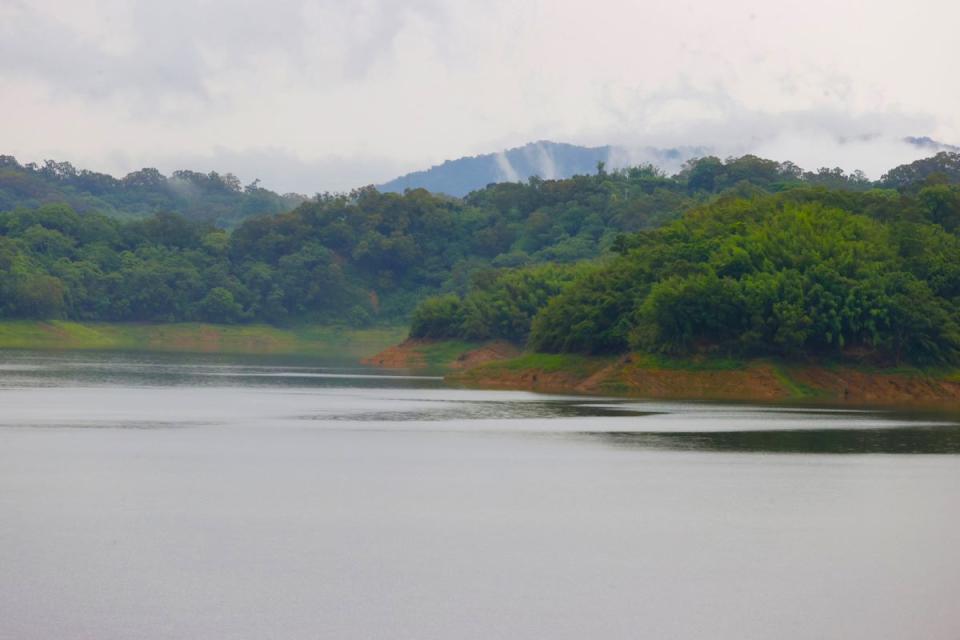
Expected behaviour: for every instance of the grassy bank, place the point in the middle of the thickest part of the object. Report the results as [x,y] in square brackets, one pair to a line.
[321,341]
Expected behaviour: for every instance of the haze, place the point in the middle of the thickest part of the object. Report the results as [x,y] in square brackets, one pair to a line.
[313,96]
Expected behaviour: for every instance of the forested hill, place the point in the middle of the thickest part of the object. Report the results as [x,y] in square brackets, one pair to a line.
[553,160]
[204,197]
[368,257]
[866,274]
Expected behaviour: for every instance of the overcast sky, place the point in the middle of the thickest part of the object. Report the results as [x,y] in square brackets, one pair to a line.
[324,95]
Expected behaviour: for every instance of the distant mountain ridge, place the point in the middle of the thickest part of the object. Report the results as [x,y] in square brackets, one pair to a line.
[546,159]
[222,200]
[557,160]
[927,143]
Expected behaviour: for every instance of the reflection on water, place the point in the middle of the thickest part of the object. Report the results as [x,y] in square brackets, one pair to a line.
[169,496]
[19,369]
[151,391]
[940,439]
[445,411]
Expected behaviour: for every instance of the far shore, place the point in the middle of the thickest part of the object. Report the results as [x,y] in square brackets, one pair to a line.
[308,339]
[499,365]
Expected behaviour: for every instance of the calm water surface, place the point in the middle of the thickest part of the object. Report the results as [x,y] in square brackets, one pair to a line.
[201,497]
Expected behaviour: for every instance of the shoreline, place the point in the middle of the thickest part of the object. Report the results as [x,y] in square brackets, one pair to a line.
[501,365]
[493,366]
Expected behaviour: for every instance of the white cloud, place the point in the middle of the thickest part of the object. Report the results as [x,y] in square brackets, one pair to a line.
[399,85]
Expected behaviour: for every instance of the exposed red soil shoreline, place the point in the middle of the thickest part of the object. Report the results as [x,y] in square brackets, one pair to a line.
[761,381]
[406,355]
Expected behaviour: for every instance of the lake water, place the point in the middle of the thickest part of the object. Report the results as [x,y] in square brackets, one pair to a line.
[202,497]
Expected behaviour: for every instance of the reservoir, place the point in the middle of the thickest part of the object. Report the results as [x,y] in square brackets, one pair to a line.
[174,496]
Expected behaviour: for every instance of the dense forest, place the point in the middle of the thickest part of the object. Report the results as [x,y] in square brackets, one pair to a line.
[360,257]
[743,254]
[833,271]
[208,197]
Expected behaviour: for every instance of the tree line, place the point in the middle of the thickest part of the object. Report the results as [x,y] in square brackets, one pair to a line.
[219,199]
[499,258]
